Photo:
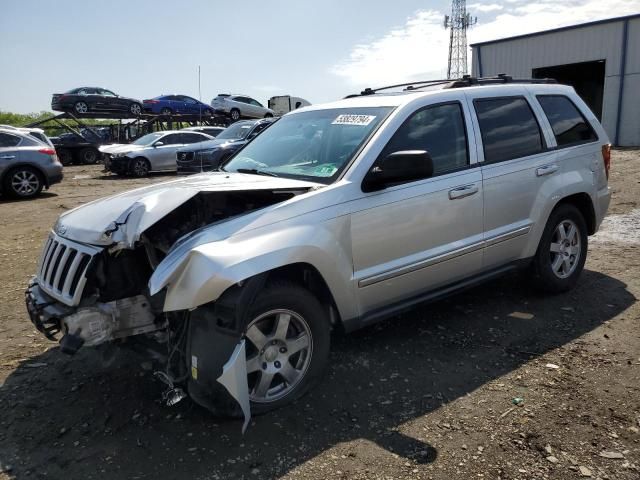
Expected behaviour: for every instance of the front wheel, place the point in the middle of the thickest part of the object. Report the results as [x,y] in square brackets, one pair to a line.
[562,251]
[140,167]
[235,114]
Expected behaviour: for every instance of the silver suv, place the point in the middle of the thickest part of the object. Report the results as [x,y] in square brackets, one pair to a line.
[338,215]
[240,106]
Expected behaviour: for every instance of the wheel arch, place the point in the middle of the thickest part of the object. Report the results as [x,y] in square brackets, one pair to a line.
[583,202]
[3,177]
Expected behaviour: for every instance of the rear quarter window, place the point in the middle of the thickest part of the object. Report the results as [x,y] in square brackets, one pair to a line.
[569,126]
[508,127]
[8,140]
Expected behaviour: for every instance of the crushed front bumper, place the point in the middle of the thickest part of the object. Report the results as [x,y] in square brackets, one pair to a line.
[45,312]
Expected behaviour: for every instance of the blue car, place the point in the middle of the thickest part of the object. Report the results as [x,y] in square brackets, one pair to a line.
[176,104]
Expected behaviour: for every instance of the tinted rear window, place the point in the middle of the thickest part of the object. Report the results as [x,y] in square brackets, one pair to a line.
[509,128]
[568,124]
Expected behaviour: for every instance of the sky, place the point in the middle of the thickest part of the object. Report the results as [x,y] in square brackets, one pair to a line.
[318,50]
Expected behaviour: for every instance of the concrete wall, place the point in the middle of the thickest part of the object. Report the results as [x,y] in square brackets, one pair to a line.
[519,56]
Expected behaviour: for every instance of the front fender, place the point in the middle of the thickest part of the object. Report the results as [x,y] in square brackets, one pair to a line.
[201,274]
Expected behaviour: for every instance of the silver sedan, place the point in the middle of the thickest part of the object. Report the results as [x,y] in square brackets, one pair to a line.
[154,152]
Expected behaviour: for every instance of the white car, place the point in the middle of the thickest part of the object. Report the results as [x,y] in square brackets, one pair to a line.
[240,106]
[154,152]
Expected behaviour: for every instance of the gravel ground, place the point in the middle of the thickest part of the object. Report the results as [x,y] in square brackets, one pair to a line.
[429,394]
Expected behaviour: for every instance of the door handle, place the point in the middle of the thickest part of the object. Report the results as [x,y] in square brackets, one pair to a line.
[462,192]
[8,157]
[546,170]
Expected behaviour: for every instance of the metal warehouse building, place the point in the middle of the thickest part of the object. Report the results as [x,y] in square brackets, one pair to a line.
[600,59]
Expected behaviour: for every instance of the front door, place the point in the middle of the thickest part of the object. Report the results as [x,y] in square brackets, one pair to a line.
[163,157]
[413,238]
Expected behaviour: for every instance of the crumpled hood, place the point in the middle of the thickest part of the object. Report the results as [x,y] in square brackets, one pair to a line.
[122,218]
[120,148]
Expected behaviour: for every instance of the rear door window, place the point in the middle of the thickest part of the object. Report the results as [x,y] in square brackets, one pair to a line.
[569,126]
[438,129]
[8,140]
[509,128]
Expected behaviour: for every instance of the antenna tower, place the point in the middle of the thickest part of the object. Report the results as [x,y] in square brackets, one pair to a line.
[458,23]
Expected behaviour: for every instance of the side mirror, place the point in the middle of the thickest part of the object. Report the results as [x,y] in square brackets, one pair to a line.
[398,167]
[158,144]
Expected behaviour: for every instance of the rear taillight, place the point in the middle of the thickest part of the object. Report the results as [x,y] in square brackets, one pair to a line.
[47,151]
[606,157]
[151,101]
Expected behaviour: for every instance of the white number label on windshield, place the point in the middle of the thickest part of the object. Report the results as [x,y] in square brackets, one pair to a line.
[353,120]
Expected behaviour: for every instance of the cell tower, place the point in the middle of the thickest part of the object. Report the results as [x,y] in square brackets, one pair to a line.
[458,22]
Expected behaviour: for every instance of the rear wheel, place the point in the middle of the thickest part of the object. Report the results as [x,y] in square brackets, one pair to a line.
[81,107]
[562,251]
[140,167]
[23,182]
[166,111]
[65,156]
[89,156]
[208,112]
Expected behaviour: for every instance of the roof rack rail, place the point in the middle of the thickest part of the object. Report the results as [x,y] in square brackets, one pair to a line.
[465,81]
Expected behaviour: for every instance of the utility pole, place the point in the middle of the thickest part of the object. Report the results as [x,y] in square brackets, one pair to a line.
[458,23]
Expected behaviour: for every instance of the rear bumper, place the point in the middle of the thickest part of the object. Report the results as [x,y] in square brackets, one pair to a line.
[603,198]
[55,178]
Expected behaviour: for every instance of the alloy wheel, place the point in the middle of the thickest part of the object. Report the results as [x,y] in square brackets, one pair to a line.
[135,109]
[81,107]
[279,352]
[25,183]
[565,249]
[140,167]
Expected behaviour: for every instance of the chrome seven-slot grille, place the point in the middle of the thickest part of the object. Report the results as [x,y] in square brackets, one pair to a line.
[62,268]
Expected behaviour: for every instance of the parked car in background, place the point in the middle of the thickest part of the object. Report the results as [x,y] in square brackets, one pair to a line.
[85,100]
[154,152]
[209,130]
[176,104]
[27,164]
[208,156]
[81,147]
[282,104]
[240,106]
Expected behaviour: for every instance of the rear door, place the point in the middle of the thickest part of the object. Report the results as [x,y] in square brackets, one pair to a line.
[412,238]
[516,163]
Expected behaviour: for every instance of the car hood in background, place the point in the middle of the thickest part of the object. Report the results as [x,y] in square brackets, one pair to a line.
[120,148]
[122,218]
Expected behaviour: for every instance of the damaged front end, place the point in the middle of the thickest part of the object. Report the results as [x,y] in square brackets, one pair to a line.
[89,293]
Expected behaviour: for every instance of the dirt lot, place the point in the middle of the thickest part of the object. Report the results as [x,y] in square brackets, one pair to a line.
[426,395]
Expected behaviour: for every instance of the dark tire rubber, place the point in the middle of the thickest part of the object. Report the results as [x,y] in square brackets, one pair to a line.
[298,299]
[543,277]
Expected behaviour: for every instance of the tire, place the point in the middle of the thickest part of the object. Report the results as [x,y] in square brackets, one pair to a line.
[235,114]
[81,108]
[135,109]
[23,182]
[65,156]
[562,251]
[307,319]
[269,115]
[140,167]
[166,111]
[89,156]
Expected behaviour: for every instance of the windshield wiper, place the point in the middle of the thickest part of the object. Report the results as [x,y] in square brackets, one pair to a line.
[255,171]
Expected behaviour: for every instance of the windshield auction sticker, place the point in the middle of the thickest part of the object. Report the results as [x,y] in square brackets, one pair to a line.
[353,120]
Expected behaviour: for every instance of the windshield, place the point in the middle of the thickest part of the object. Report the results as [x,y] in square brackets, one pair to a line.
[237,131]
[315,145]
[148,139]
